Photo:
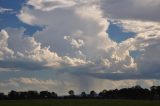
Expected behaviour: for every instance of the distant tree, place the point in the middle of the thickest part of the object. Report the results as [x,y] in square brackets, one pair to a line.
[54,95]
[2,96]
[135,92]
[83,94]
[13,95]
[137,87]
[45,94]
[23,95]
[155,92]
[103,93]
[32,95]
[92,94]
[71,93]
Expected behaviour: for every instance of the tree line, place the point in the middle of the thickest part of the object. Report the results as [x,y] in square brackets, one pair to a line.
[136,92]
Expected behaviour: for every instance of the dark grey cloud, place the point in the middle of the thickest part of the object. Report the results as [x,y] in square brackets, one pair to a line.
[148,10]
[126,76]
[22,65]
[150,60]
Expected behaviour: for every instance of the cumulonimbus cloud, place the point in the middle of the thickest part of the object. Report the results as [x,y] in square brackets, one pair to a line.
[74,27]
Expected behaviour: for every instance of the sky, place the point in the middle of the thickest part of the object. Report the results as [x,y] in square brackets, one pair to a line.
[58,45]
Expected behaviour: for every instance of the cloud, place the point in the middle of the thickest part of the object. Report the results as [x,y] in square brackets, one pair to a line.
[121,65]
[32,52]
[69,22]
[84,32]
[49,5]
[5,52]
[25,53]
[26,17]
[146,42]
[3,10]
[149,60]
[132,9]
[75,43]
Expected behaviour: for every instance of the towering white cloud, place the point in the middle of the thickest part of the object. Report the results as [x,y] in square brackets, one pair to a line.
[83,23]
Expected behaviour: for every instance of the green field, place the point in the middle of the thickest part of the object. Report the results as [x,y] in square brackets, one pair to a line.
[87,102]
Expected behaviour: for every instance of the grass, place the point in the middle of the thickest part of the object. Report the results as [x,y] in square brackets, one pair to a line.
[85,102]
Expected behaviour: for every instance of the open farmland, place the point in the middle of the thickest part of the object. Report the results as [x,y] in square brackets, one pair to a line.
[85,102]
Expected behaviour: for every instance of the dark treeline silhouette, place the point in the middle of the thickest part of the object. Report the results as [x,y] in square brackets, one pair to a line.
[136,92]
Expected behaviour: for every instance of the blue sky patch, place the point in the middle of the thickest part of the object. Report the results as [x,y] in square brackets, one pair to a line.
[135,54]
[15,5]
[9,19]
[117,34]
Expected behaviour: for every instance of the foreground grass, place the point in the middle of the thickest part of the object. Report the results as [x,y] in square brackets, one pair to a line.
[85,102]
